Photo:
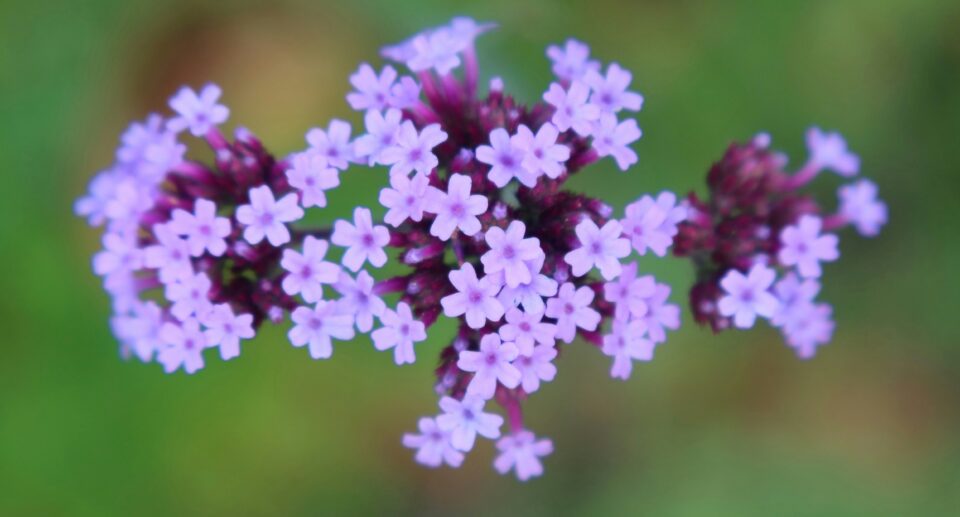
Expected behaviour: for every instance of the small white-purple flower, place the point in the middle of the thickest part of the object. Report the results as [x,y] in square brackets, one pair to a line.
[509,253]
[829,151]
[333,144]
[405,199]
[413,151]
[308,271]
[536,367]
[610,91]
[521,452]
[613,138]
[371,91]
[312,177]
[455,208]
[599,247]
[315,327]
[170,255]
[465,419]
[202,228]
[542,154]
[810,326]
[530,295]
[803,246]
[629,293]
[794,294]
[225,329]
[571,308]
[527,328]
[860,206]
[475,299]
[266,217]
[433,445]
[652,223]
[572,111]
[400,332]
[572,61]
[625,344]
[490,364]
[359,299]
[189,296]
[198,113]
[748,296]
[382,131]
[660,316]
[182,346]
[120,255]
[363,240]
[505,157]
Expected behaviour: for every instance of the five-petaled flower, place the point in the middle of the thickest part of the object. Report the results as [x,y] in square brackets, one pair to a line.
[363,240]
[803,246]
[267,217]
[748,296]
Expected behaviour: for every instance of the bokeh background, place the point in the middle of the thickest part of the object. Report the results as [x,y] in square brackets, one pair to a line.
[733,424]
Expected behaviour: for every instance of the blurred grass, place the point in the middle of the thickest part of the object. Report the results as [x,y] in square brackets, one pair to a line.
[717,425]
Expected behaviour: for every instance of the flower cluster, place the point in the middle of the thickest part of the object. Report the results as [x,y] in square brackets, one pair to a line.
[757,224]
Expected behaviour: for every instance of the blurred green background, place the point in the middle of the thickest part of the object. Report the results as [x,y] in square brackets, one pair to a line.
[732,425]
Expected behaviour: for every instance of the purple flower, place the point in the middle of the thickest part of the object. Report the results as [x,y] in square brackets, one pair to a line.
[312,176]
[530,295]
[793,295]
[536,366]
[802,246]
[542,153]
[225,329]
[406,200]
[490,364]
[433,445]
[475,299]
[120,255]
[203,229]
[625,343]
[333,144]
[572,109]
[413,151]
[465,419]
[405,94]
[810,326]
[266,217]
[359,299]
[400,331]
[189,296]
[653,223]
[610,91]
[314,327]
[748,296]
[182,346]
[371,92]
[628,293]
[171,255]
[612,138]
[521,452]
[829,151]
[382,130]
[199,113]
[509,252]
[149,150]
[860,206]
[307,271]
[660,315]
[599,247]
[527,328]
[572,62]
[505,157]
[456,208]
[571,308]
[140,329]
[363,240]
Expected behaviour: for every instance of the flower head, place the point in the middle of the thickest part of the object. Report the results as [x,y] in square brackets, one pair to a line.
[510,252]
[308,271]
[372,91]
[267,217]
[455,208]
[312,177]
[543,156]
[572,61]
[182,345]
[571,308]
[610,91]
[599,247]
[203,230]
[803,246]
[465,419]
[829,151]
[475,298]
[315,327]
[333,144]
[748,296]
[197,112]
[613,138]
[625,344]
[405,199]
[360,300]
[505,157]
[225,329]
[363,240]
[521,452]
[489,365]
[413,151]
[572,109]
[400,332]
[859,205]
[433,445]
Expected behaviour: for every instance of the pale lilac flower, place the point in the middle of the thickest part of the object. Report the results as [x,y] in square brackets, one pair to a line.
[509,252]
[225,329]
[860,206]
[475,299]
[801,245]
[542,154]
[363,240]
[314,328]
[530,295]
[359,300]
[202,228]
[490,364]
[612,138]
[572,62]
[171,255]
[793,294]
[307,271]
[311,176]
[572,109]
[521,452]
[527,328]
[505,157]
[465,419]
[333,144]
[456,208]
[571,308]
[120,254]
[130,199]
[809,327]
[599,247]
[400,332]
[629,294]
[140,329]
[829,151]
[748,296]
[371,92]
[652,224]
[267,217]
[199,113]
[182,346]
[625,344]
[382,130]
[405,94]
[93,206]
[189,296]
[413,151]
[438,50]
[536,366]
[433,445]
[406,199]
[610,92]
[660,315]
[149,150]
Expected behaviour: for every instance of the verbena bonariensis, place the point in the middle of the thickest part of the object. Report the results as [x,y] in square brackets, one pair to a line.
[755,221]
[200,255]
